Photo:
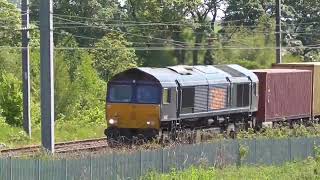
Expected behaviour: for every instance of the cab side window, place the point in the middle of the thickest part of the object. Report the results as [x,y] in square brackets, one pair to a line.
[166,96]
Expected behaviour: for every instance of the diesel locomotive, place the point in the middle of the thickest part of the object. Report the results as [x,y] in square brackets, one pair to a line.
[151,101]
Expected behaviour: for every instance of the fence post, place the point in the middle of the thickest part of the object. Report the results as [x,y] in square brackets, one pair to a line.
[272,151]
[140,163]
[255,151]
[162,160]
[313,145]
[114,174]
[220,154]
[214,153]
[239,155]
[90,167]
[38,169]
[10,163]
[66,169]
[289,147]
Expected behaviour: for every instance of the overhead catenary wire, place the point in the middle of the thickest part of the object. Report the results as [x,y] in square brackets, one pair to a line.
[168,48]
[175,31]
[139,23]
[185,23]
[77,24]
[132,34]
[110,20]
[154,43]
[92,38]
[128,33]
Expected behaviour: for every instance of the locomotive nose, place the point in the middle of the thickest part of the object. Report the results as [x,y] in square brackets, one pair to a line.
[133,116]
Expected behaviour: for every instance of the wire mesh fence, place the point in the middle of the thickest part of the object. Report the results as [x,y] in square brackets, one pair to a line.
[137,164]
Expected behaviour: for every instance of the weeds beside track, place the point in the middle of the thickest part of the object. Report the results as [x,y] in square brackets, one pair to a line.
[65,147]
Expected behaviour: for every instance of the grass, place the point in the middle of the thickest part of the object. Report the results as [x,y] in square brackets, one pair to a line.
[87,128]
[308,169]
[13,137]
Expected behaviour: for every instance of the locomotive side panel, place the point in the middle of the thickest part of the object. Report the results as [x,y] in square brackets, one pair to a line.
[201,99]
[218,97]
[169,104]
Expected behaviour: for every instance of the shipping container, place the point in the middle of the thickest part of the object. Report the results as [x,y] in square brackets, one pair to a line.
[284,94]
[315,68]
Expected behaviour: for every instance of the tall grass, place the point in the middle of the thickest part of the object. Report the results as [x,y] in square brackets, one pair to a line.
[11,137]
[308,169]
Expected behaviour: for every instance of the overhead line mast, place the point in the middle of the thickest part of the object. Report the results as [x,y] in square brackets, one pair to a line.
[47,75]
[26,66]
[278,32]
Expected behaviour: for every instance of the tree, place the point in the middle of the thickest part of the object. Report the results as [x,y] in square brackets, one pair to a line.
[9,24]
[205,27]
[83,18]
[247,12]
[302,27]
[113,55]
[169,21]
[72,97]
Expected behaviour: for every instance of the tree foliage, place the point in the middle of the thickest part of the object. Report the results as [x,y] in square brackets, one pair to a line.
[302,27]
[11,99]
[9,24]
[113,56]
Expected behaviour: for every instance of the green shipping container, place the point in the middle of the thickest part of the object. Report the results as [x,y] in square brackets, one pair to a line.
[315,68]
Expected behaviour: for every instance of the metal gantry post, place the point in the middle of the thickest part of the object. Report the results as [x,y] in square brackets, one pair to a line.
[47,75]
[26,66]
[278,32]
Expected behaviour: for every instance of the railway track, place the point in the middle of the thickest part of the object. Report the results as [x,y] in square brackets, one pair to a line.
[65,147]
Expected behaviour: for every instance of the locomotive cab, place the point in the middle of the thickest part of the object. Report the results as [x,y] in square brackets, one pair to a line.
[135,100]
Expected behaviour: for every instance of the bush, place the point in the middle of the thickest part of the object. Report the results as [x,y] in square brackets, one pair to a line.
[11,99]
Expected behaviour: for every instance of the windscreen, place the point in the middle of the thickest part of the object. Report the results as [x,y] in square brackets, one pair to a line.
[120,93]
[148,94]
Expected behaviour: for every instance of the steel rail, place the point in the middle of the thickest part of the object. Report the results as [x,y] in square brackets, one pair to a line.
[63,147]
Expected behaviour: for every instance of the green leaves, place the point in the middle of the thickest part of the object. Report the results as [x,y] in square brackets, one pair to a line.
[9,24]
[10,99]
[302,27]
[113,55]
[79,89]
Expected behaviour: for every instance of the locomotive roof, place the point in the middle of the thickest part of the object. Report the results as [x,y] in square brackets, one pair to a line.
[199,75]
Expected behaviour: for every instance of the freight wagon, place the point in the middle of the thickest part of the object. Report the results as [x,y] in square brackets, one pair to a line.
[314,67]
[284,95]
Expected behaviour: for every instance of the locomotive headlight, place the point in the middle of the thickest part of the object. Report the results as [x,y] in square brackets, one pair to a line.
[113,121]
[150,123]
